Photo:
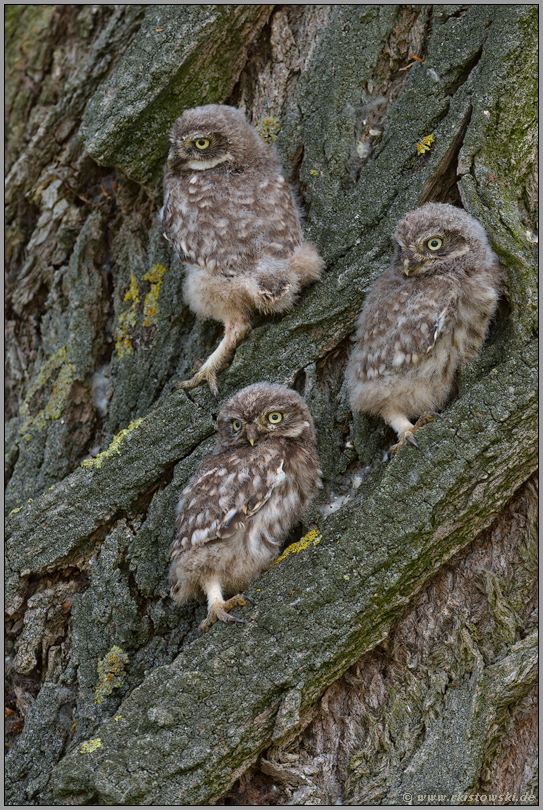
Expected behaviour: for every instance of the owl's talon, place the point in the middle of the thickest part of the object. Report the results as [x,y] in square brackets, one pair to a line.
[219,612]
[208,375]
[425,419]
[407,436]
[213,387]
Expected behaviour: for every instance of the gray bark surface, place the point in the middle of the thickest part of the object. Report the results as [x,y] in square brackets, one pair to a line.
[395,656]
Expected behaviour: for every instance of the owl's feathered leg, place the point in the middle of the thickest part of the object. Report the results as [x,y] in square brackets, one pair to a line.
[405,429]
[217,607]
[234,332]
[278,284]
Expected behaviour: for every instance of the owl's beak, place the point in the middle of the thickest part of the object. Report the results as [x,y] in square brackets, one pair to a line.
[176,156]
[411,263]
[174,162]
[251,433]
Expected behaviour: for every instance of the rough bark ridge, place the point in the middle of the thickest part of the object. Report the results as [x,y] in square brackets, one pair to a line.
[391,662]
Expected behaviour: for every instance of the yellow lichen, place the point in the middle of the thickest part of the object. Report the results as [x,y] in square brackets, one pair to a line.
[14,511]
[150,305]
[425,144]
[113,447]
[268,128]
[126,319]
[57,398]
[90,746]
[312,538]
[133,293]
[111,673]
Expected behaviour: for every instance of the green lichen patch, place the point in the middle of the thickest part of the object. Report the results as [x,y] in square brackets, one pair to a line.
[90,746]
[426,144]
[57,398]
[151,309]
[312,538]
[114,447]
[268,128]
[111,674]
[127,319]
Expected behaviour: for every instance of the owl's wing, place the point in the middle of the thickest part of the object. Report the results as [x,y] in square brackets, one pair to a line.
[436,324]
[219,500]
[424,330]
[398,331]
[273,217]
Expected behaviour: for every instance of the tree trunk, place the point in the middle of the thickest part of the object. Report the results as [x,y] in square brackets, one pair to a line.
[390,658]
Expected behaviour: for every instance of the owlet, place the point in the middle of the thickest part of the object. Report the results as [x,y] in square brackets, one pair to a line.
[426,316]
[241,503]
[232,218]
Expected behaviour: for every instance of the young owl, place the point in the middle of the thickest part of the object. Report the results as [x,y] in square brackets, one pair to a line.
[232,218]
[423,318]
[239,506]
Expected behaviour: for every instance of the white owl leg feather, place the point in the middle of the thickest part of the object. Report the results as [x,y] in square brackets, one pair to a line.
[403,427]
[234,332]
[398,422]
[217,608]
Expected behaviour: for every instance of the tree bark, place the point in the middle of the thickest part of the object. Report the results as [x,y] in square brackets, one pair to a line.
[390,658]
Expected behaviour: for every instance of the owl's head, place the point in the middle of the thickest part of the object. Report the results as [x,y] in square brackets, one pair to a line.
[438,237]
[215,137]
[264,412]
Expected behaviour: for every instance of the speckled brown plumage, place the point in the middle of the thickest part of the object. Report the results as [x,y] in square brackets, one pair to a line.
[423,318]
[231,216]
[235,512]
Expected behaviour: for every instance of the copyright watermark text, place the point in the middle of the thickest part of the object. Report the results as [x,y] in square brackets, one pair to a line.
[468,798]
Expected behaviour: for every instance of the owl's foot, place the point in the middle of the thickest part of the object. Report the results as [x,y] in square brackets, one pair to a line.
[234,332]
[407,437]
[273,294]
[426,418]
[218,611]
[207,374]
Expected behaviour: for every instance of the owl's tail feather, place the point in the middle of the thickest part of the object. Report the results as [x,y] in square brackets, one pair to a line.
[306,263]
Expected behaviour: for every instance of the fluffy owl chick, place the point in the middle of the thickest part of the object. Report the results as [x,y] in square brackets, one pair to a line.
[232,218]
[239,506]
[423,318]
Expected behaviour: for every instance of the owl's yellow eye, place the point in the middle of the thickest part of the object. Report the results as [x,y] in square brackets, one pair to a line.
[275,417]
[236,424]
[434,243]
[201,143]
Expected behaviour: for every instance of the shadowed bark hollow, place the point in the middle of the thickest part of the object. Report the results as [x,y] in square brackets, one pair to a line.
[394,660]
